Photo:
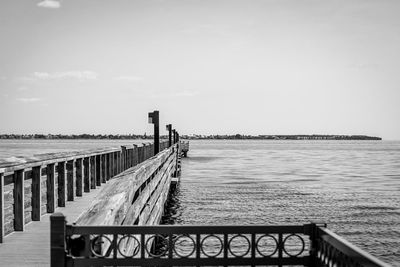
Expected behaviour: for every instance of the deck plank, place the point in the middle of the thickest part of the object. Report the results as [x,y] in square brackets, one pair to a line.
[32,247]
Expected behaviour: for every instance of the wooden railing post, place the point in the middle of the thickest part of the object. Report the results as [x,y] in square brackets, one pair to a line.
[109,164]
[51,187]
[123,158]
[70,180]
[92,172]
[86,175]
[57,240]
[61,183]
[103,168]
[19,199]
[115,156]
[98,170]
[169,129]
[36,193]
[135,155]
[1,207]
[79,177]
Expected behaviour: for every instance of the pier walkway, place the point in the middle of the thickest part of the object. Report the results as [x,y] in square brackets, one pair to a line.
[32,247]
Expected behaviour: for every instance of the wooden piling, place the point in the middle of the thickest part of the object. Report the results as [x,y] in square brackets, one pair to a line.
[70,180]
[86,175]
[51,187]
[79,176]
[36,193]
[19,199]
[61,183]
[98,170]
[92,172]
[103,168]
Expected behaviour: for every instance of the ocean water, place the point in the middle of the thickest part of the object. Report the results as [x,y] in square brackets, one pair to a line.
[353,186]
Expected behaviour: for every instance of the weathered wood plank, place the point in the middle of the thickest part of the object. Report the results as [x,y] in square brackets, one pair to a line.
[134,210]
[79,177]
[113,201]
[70,180]
[51,187]
[86,175]
[61,183]
[36,193]
[19,199]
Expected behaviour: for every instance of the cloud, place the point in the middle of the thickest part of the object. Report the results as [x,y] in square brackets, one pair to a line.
[28,99]
[3,78]
[49,4]
[79,75]
[129,78]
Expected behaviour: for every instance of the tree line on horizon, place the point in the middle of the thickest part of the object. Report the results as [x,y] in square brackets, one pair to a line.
[191,137]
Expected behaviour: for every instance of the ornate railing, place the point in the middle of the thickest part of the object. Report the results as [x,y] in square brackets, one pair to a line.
[303,245]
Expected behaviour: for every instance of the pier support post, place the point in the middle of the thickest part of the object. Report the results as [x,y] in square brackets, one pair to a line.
[79,177]
[98,170]
[19,199]
[57,240]
[61,183]
[70,180]
[51,187]
[92,172]
[36,193]
[154,119]
[86,175]
[174,135]
[103,168]
[123,158]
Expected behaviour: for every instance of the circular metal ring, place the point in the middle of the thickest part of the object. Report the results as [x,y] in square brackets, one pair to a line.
[302,243]
[97,240]
[136,250]
[151,254]
[248,246]
[276,245]
[193,242]
[220,250]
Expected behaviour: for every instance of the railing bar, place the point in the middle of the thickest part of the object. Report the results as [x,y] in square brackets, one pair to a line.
[225,246]
[170,246]
[186,229]
[253,246]
[115,246]
[142,243]
[280,249]
[198,246]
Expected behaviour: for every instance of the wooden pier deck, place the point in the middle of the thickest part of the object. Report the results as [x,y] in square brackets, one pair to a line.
[32,246]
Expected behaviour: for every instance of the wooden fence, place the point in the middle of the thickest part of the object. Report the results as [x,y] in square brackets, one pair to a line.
[29,190]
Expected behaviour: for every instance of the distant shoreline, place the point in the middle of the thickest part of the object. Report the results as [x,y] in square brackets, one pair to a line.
[188,137]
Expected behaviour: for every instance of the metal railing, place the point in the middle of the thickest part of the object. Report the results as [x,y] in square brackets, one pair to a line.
[300,245]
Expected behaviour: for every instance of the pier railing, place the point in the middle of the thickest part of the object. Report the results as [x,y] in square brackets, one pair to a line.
[29,190]
[292,245]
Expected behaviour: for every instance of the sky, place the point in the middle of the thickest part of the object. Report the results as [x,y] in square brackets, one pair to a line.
[209,66]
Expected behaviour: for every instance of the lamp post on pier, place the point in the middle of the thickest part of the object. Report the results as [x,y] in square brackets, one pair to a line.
[154,119]
[169,129]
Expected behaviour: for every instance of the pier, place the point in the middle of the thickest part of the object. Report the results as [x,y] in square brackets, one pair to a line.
[103,208]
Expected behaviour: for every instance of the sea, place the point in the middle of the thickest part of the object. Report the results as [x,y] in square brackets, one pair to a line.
[352,186]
